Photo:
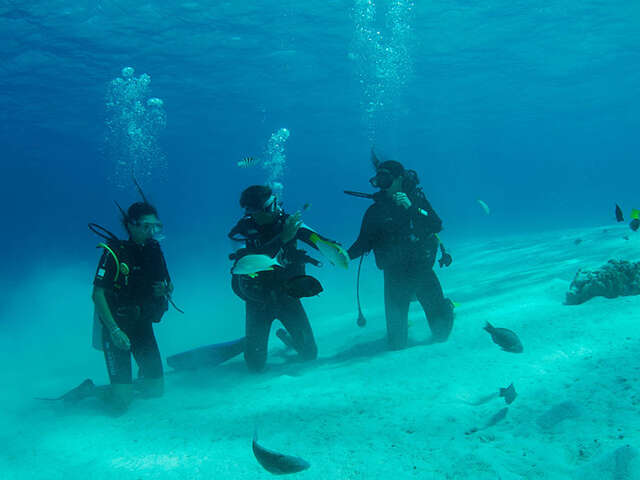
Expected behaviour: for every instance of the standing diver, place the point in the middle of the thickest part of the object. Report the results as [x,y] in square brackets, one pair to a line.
[401,228]
[132,288]
[266,230]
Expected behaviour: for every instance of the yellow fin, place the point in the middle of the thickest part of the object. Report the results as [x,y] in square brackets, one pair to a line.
[635,213]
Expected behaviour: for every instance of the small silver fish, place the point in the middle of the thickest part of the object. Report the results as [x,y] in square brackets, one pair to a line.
[252,264]
[277,463]
[246,162]
[505,338]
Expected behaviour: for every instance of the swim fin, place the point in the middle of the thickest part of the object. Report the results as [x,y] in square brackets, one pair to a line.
[208,356]
[84,390]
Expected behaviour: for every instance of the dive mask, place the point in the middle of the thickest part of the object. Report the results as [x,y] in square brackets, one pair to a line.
[383,179]
[154,229]
[269,206]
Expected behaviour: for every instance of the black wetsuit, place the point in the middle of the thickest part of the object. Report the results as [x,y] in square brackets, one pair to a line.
[134,307]
[405,245]
[265,296]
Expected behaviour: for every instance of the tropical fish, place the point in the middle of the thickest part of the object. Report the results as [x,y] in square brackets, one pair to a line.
[277,463]
[505,338]
[484,206]
[635,213]
[303,286]
[331,251]
[246,162]
[497,417]
[252,264]
[619,216]
[509,394]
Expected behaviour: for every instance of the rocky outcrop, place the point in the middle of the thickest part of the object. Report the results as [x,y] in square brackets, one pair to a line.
[616,278]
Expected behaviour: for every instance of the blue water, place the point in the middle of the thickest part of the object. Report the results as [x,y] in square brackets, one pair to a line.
[530,106]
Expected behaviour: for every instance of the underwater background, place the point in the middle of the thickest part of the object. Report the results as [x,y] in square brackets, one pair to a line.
[531,107]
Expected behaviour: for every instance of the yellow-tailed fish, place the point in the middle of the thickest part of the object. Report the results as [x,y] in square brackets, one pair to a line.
[333,252]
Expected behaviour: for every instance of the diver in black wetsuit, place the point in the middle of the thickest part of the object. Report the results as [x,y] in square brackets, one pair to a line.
[131,291]
[401,227]
[266,229]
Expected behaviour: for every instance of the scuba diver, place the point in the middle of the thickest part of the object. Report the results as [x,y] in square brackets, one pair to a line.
[269,273]
[131,291]
[401,228]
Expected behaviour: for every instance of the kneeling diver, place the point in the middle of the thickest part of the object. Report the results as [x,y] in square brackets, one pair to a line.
[401,228]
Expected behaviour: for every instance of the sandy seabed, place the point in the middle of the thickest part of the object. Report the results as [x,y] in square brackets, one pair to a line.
[359,411]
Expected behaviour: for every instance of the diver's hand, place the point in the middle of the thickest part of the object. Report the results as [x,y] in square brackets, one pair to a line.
[401,199]
[162,289]
[120,339]
[445,260]
[291,226]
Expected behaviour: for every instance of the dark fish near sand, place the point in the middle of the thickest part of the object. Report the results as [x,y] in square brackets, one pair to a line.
[492,421]
[277,463]
[619,216]
[505,338]
[509,394]
[302,286]
[497,417]
[85,389]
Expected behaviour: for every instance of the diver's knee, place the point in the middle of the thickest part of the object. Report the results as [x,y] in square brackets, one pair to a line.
[443,324]
[397,336]
[397,342]
[309,353]
[440,337]
[256,363]
[119,398]
[441,331]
